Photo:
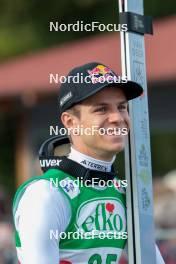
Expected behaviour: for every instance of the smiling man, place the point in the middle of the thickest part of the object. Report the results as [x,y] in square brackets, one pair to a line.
[90,220]
[106,114]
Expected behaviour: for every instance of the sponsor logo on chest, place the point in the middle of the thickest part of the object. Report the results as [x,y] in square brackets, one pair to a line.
[70,187]
[107,215]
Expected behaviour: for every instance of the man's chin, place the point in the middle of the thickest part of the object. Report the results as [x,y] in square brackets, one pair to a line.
[115,141]
[115,148]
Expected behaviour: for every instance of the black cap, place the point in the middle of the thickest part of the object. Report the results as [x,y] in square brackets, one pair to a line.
[86,80]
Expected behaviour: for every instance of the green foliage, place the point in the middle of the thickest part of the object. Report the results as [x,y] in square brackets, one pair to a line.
[24,25]
[163,153]
[159,9]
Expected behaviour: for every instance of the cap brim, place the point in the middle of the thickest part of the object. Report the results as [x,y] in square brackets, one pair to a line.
[131,90]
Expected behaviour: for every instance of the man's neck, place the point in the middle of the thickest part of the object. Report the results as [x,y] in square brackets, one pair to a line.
[90,162]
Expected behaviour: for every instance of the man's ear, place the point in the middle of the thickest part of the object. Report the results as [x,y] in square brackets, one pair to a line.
[68,120]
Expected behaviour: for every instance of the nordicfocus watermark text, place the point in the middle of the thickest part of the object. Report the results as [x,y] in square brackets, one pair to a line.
[88,27]
[80,78]
[88,131]
[73,185]
[55,234]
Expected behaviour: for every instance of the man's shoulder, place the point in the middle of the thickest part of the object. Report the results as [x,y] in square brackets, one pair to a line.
[40,180]
[36,186]
[39,198]
[39,190]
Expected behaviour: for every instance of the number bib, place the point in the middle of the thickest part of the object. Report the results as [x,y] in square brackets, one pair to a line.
[97,232]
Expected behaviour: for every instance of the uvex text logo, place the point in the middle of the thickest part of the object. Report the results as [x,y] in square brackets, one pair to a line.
[101,215]
[50,162]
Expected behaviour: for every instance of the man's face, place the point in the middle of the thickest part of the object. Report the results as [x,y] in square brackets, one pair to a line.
[106,116]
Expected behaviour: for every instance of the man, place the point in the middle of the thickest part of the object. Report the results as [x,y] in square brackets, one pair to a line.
[91,217]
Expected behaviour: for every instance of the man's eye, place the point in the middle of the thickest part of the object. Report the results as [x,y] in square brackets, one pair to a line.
[122,107]
[101,109]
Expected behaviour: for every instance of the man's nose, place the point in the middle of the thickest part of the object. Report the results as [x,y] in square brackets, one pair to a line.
[115,117]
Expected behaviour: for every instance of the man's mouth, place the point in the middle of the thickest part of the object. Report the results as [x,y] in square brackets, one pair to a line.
[117,131]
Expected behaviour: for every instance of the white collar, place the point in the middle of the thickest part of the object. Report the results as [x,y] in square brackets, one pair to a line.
[90,162]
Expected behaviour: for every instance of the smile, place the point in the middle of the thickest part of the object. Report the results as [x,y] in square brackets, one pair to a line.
[116,131]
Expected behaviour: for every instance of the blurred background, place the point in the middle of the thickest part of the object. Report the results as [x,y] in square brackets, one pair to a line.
[29,52]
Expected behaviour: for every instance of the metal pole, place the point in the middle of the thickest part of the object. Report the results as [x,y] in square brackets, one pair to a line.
[141,241]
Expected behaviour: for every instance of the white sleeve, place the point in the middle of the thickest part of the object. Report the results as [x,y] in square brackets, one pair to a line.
[41,210]
[159,258]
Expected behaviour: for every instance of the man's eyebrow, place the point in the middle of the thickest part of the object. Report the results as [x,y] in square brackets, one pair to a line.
[123,102]
[106,104]
[99,104]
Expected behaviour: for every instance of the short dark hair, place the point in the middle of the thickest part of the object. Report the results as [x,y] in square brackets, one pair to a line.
[75,110]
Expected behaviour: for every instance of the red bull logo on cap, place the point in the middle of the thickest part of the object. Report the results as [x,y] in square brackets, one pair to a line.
[101,73]
[99,69]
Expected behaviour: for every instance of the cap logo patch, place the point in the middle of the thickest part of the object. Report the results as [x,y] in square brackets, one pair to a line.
[100,73]
[65,98]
